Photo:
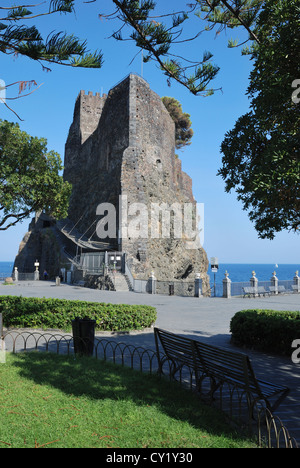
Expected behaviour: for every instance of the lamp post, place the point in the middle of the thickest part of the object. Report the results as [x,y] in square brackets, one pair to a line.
[214,262]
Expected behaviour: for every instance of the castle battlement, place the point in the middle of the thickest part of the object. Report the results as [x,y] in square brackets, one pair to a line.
[87,113]
[91,94]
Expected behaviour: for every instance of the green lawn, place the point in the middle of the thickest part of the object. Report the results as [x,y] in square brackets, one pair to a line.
[56,401]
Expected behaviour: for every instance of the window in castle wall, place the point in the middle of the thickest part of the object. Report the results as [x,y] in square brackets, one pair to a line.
[159,164]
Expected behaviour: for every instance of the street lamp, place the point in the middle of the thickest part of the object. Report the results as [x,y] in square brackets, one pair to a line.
[214,263]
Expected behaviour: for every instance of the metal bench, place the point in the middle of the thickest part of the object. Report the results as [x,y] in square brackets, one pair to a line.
[219,365]
[249,291]
[252,291]
[279,289]
[178,351]
[222,365]
[261,290]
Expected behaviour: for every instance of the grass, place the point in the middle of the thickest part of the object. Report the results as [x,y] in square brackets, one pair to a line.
[57,401]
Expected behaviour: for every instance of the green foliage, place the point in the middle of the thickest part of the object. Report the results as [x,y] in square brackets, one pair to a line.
[266,330]
[231,14]
[261,159]
[157,37]
[30,177]
[261,154]
[183,131]
[56,48]
[58,313]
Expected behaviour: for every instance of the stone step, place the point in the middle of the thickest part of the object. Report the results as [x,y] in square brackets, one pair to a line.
[120,282]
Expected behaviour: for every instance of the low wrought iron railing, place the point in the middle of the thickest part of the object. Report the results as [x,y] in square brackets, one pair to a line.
[237,288]
[268,429]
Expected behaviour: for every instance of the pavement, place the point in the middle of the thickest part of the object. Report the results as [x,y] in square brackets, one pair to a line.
[206,319]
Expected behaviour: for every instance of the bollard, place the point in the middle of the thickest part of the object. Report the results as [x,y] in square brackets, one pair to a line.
[274,282]
[254,283]
[198,285]
[16,274]
[296,285]
[152,283]
[227,286]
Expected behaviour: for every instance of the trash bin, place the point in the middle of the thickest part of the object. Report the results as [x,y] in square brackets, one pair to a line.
[83,336]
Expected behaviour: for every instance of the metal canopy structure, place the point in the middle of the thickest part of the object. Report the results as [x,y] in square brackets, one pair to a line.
[68,229]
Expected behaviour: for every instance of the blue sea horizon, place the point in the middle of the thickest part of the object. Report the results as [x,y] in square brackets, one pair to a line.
[241,272]
[238,272]
[6,269]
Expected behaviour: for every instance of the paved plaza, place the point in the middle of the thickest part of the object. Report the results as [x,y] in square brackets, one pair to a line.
[206,319]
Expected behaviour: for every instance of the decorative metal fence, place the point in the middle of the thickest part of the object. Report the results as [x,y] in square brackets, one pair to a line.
[268,429]
[26,276]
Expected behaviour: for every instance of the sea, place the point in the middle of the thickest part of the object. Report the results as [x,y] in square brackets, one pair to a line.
[241,272]
[6,269]
[238,272]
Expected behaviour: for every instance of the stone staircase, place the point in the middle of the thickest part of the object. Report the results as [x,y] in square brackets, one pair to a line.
[120,281]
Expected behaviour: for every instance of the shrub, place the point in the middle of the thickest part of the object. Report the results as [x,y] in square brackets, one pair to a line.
[266,330]
[24,312]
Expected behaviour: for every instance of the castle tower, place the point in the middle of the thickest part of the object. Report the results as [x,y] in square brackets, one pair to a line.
[120,153]
[87,113]
[123,145]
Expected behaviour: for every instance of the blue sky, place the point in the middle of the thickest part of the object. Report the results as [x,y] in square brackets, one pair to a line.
[48,112]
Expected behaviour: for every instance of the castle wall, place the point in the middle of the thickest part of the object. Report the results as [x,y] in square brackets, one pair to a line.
[93,166]
[152,175]
[87,113]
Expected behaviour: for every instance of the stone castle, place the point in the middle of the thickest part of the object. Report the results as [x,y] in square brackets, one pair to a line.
[120,152]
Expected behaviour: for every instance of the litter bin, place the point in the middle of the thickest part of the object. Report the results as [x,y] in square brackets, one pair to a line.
[83,336]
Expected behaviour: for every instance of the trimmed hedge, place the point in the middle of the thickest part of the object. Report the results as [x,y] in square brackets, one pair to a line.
[266,330]
[24,312]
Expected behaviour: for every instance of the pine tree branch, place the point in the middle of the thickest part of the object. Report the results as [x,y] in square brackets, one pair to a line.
[235,13]
[162,39]
[240,19]
[21,6]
